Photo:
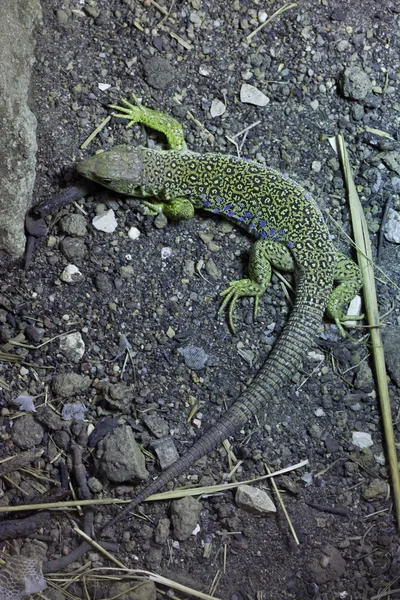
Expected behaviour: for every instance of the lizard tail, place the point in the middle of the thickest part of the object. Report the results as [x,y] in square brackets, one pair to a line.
[284,360]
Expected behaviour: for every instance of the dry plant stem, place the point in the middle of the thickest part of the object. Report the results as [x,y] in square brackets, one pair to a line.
[13,463]
[362,241]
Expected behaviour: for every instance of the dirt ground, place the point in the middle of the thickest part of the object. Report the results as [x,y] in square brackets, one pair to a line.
[161,291]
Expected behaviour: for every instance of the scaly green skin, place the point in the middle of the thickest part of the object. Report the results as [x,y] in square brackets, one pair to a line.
[290,234]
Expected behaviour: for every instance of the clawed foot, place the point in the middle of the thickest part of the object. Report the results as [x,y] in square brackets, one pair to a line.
[129,111]
[239,289]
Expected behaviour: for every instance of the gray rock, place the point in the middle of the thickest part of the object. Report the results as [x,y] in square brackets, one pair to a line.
[154,559]
[356,83]
[158,426]
[34,334]
[72,346]
[166,452]
[162,531]
[329,566]
[74,249]
[103,283]
[71,274]
[315,431]
[361,439]
[364,377]
[73,225]
[145,590]
[392,161]
[27,432]
[158,72]
[120,396]
[254,501]
[70,384]
[212,270]
[17,123]
[127,272]
[391,340]
[46,415]
[392,227]
[119,457]
[185,515]
[377,488]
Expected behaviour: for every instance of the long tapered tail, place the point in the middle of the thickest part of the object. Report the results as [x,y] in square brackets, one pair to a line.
[284,360]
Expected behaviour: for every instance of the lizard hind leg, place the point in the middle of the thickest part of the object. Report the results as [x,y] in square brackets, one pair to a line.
[263,255]
[349,282]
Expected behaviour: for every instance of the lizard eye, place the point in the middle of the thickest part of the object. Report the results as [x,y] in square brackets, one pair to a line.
[105,180]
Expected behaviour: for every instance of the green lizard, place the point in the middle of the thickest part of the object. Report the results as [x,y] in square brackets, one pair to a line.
[290,235]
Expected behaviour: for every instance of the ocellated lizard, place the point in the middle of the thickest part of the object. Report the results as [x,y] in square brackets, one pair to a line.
[290,234]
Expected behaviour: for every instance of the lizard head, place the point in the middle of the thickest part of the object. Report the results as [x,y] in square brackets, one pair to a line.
[120,169]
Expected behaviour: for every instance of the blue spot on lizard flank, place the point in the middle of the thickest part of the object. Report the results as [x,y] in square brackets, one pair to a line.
[206,203]
[262,223]
[230,213]
[290,245]
[262,234]
[272,232]
[248,215]
[227,207]
[216,211]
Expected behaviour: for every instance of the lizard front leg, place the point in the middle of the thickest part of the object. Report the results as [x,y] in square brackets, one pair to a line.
[177,209]
[154,119]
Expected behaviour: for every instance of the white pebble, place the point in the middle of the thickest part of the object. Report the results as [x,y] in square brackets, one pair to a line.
[217,108]
[166,252]
[71,274]
[392,227]
[251,95]
[105,222]
[361,439]
[133,233]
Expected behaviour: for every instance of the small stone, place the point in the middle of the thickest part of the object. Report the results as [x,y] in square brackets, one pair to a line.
[392,227]
[74,249]
[162,531]
[212,269]
[361,439]
[356,83]
[375,489]
[315,431]
[391,339]
[251,95]
[166,452]
[27,432]
[105,222]
[67,385]
[73,225]
[185,514]
[254,501]
[133,233]
[72,346]
[62,16]
[120,458]
[217,108]
[126,272]
[71,274]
